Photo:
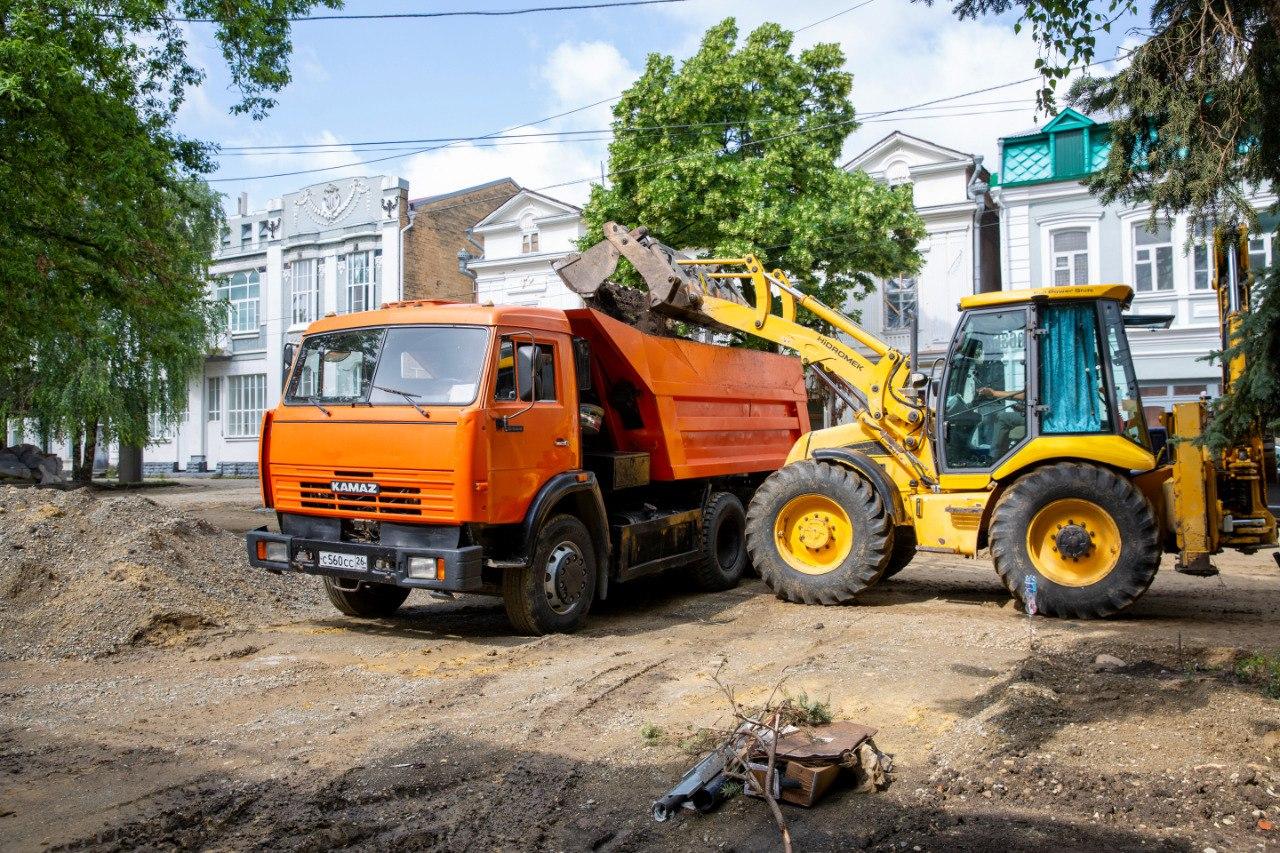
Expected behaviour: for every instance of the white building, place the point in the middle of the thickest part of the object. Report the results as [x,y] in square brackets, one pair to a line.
[521,240]
[960,249]
[1054,231]
[331,247]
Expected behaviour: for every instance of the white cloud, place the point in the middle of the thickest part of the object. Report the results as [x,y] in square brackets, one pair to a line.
[574,73]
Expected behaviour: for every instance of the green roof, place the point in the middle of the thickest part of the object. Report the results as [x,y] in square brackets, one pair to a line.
[1068,148]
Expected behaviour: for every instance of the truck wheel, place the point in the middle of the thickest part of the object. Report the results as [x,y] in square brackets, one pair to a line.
[367,600]
[818,533]
[724,544]
[904,551]
[1086,535]
[554,592]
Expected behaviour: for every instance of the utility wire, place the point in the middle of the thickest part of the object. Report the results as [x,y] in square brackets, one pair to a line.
[506,141]
[366,145]
[833,17]
[389,16]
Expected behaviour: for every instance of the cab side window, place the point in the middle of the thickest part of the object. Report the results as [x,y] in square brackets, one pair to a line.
[984,407]
[526,371]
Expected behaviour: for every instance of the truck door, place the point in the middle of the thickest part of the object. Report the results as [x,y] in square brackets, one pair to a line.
[534,420]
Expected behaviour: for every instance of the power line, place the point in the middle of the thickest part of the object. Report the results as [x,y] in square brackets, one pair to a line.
[370,145]
[833,17]
[389,16]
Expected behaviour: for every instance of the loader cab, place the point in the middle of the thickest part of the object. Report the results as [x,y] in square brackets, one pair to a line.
[1032,363]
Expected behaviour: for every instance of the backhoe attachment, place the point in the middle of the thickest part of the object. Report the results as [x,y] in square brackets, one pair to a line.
[674,290]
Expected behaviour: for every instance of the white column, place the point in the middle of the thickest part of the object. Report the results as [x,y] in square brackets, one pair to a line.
[272,302]
[329,286]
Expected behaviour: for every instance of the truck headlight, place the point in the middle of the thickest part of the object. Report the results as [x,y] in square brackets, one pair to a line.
[426,568]
[273,552]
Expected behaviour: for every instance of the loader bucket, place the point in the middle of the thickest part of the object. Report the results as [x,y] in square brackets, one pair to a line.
[672,289]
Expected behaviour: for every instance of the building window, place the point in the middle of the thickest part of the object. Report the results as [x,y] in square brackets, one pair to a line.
[246,400]
[246,232]
[1070,256]
[241,292]
[262,231]
[899,303]
[1152,258]
[226,236]
[1201,267]
[529,242]
[360,280]
[302,280]
[158,428]
[1259,253]
[213,398]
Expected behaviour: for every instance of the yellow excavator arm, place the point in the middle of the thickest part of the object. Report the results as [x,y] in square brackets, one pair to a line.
[709,292]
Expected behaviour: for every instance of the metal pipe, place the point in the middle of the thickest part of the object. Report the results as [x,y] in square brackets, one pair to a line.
[400,257]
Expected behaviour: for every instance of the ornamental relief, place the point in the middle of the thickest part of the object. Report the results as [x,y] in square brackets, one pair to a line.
[325,205]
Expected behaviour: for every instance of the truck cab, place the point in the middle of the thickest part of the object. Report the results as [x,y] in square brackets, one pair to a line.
[499,450]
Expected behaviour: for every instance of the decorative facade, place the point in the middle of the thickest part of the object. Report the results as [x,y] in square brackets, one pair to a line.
[332,247]
[1053,231]
[960,249]
[521,239]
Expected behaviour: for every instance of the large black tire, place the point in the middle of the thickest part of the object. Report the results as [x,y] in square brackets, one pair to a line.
[723,544]
[366,600]
[1084,570]
[553,594]
[904,551]
[834,576]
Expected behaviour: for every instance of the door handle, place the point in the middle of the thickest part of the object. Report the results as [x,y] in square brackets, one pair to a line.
[562,442]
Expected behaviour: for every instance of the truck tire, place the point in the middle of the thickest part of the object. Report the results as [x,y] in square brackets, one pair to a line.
[904,551]
[818,533]
[1086,534]
[554,592]
[723,544]
[366,600]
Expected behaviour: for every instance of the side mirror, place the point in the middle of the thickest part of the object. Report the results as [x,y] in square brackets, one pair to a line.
[582,363]
[290,350]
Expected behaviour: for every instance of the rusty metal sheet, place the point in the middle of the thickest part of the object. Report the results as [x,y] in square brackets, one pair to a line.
[823,743]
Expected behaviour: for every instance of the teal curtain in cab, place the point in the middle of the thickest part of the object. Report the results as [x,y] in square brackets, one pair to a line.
[1071,380]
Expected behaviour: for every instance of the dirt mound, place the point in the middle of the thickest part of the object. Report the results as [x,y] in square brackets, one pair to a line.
[82,575]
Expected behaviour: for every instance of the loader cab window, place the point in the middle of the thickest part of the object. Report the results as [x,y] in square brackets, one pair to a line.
[984,394]
[1124,382]
[526,371]
[1073,384]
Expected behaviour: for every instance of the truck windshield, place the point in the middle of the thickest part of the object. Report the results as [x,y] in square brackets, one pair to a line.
[430,365]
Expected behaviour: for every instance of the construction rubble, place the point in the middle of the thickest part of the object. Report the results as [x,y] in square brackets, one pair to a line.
[29,464]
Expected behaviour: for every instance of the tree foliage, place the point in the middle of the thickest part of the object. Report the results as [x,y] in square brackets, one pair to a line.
[106,226]
[1195,129]
[736,151]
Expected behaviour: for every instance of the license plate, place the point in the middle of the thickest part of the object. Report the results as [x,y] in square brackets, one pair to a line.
[350,562]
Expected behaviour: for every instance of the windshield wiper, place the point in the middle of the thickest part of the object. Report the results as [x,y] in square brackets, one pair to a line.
[411,398]
[316,402]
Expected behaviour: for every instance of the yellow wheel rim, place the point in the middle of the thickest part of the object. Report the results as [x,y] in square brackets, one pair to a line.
[1073,542]
[813,534]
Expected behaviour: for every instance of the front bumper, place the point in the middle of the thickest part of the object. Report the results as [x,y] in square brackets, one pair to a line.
[387,563]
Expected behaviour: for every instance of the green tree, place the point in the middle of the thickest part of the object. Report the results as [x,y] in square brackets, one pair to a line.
[736,152]
[1196,129]
[105,225]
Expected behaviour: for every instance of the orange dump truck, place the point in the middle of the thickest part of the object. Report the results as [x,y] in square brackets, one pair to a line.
[532,453]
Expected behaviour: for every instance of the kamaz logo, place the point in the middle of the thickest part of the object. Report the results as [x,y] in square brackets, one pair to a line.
[351,487]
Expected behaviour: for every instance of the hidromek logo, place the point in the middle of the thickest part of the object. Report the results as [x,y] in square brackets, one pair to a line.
[351,487]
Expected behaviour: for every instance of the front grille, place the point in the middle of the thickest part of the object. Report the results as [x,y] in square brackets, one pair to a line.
[401,494]
[390,500]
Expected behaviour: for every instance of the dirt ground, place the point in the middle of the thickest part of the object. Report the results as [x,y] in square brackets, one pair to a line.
[440,730]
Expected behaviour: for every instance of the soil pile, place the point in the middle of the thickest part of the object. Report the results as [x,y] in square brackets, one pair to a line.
[83,576]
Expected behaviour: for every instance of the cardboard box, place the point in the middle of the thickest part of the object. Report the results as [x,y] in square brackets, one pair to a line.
[802,784]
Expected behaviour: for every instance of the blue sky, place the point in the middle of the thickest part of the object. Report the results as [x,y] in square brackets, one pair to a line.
[379,80]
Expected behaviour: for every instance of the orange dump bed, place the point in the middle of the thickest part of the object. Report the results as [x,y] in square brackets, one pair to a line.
[698,410]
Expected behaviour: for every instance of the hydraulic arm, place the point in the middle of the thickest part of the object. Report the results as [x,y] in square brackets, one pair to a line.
[710,292]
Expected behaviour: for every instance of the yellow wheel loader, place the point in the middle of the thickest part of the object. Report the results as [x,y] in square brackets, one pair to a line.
[1030,440]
